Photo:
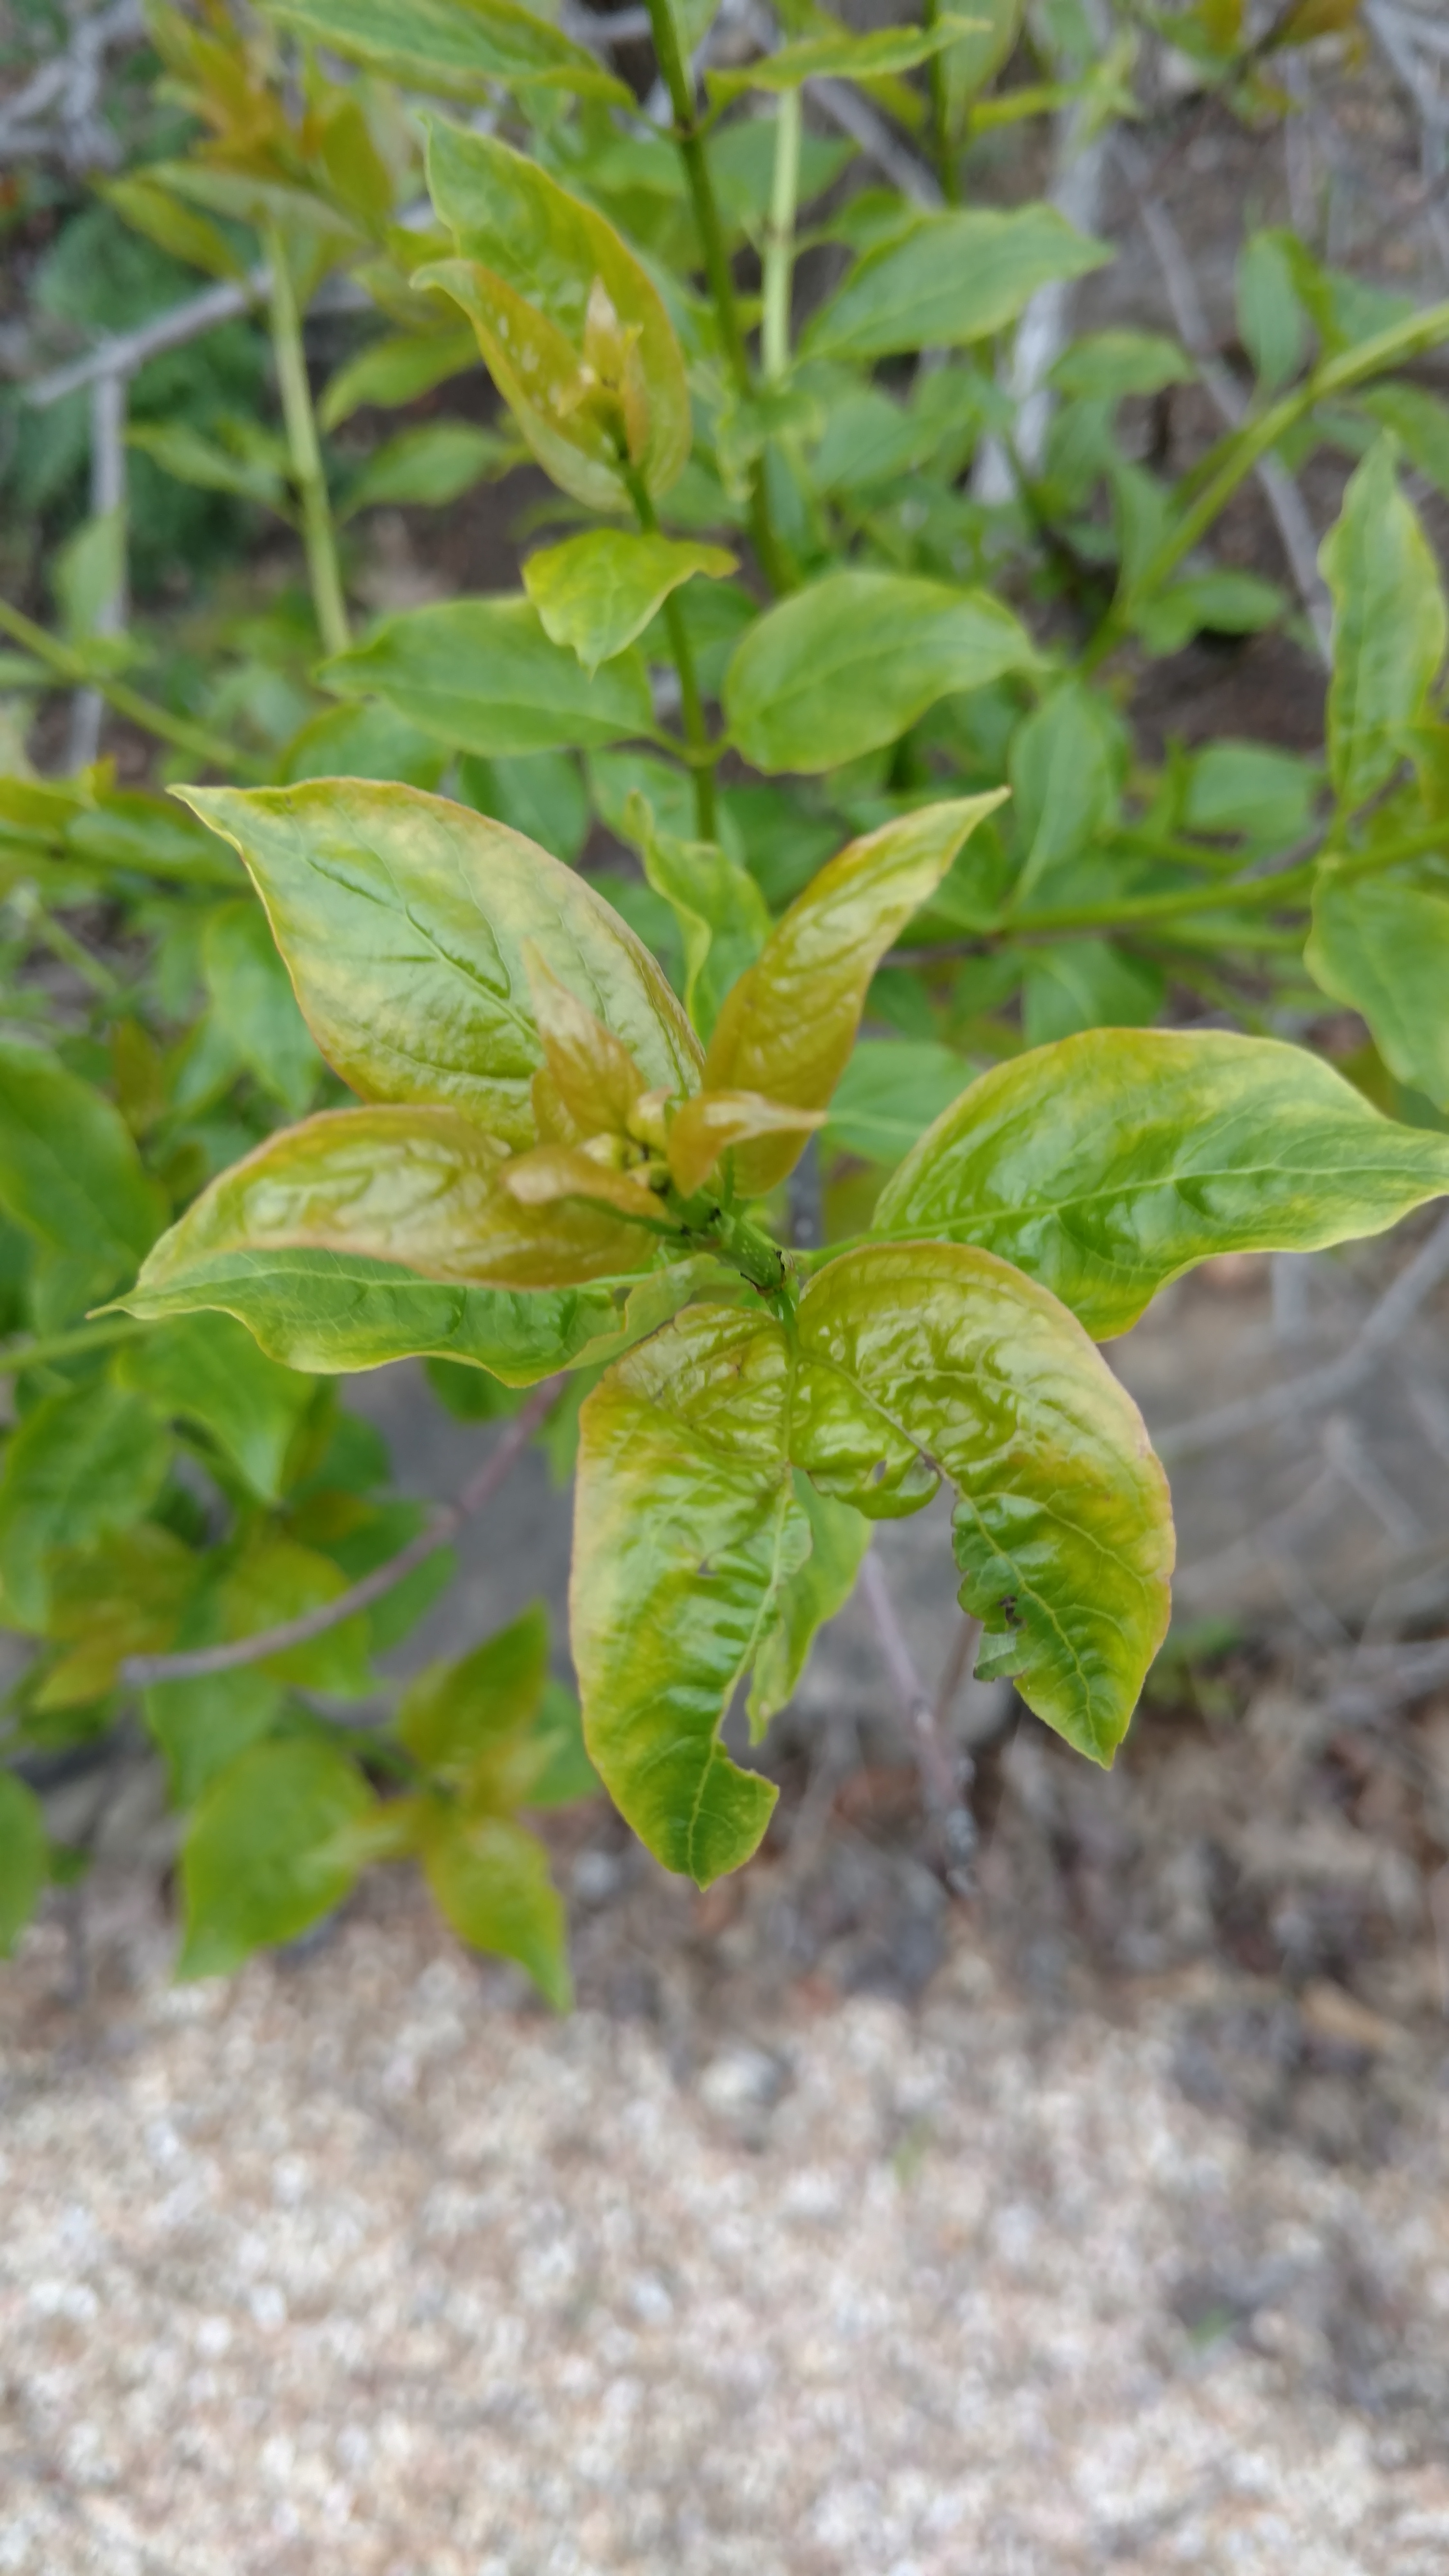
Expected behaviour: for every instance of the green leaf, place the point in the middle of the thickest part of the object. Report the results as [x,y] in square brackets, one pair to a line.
[788,1026]
[543,796]
[839,1537]
[361,741]
[182,450]
[554,251]
[956,278]
[403,921]
[70,1173]
[419,1186]
[686,1530]
[724,920]
[566,1774]
[450,48]
[276,1842]
[1103,366]
[200,1727]
[890,1091]
[122,1596]
[931,1360]
[848,664]
[482,676]
[90,573]
[596,593]
[1389,629]
[173,227]
[1076,984]
[396,370]
[129,829]
[438,461]
[1215,603]
[452,1714]
[490,1880]
[205,1369]
[1248,787]
[1383,948]
[334,1313]
[571,424]
[975,58]
[1110,1163]
[1419,421]
[843,56]
[276,1579]
[79,1466]
[1068,760]
[1271,321]
[24,1859]
[255,1006]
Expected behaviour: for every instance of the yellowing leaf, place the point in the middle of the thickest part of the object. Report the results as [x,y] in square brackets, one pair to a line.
[922,1360]
[541,377]
[686,1529]
[597,593]
[1113,1161]
[709,1124]
[592,1075]
[553,1174]
[787,1028]
[419,1186]
[403,921]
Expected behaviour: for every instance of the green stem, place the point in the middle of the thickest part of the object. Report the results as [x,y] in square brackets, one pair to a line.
[1254,440]
[941,151]
[702,198]
[62,944]
[690,702]
[65,1346]
[1167,907]
[305,451]
[779,260]
[74,671]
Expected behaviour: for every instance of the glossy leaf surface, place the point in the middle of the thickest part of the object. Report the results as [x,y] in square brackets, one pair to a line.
[714,1121]
[551,247]
[839,1537]
[1383,948]
[686,1529]
[1389,630]
[593,1080]
[955,278]
[596,593]
[275,1843]
[482,676]
[788,1026]
[423,1187]
[925,1361]
[1108,1164]
[849,663]
[403,921]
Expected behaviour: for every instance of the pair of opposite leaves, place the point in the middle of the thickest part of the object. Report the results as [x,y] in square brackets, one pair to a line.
[542,1115]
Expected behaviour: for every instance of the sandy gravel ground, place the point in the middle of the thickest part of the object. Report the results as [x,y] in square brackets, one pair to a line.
[360,2264]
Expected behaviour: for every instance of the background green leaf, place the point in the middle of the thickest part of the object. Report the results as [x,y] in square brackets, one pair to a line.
[275,1843]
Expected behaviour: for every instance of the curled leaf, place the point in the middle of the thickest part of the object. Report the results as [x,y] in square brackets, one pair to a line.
[708,1125]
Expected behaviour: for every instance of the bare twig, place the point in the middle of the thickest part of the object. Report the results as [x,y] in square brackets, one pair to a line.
[140,1671]
[58,108]
[1318,1387]
[108,494]
[1290,513]
[944,1773]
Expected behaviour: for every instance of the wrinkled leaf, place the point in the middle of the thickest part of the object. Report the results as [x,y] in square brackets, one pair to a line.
[1110,1163]
[685,1531]
[928,1360]
[403,921]
[596,593]
[848,664]
[592,1081]
[788,1026]
[276,1842]
[839,1537]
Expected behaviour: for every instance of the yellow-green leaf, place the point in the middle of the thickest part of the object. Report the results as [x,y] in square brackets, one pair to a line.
[451,1714]
[787,1028]
[845,56]
[276,1841]
[591,1077]
[79,1466]
[724,920]
[396,369]
[1383,948]
[24,1858]
[403,921]
[686,1529]
[919,1361]
[954,279]
[451,48]
[851,662]
[597,593]
[708,1125]
[839,1537]
[1108,1164]
[490,1880]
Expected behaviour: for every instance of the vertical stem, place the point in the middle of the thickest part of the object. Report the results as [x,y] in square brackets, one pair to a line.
[691,704]
[305,452]
[108,494]
[780,240]
[716,264]
[941,147]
